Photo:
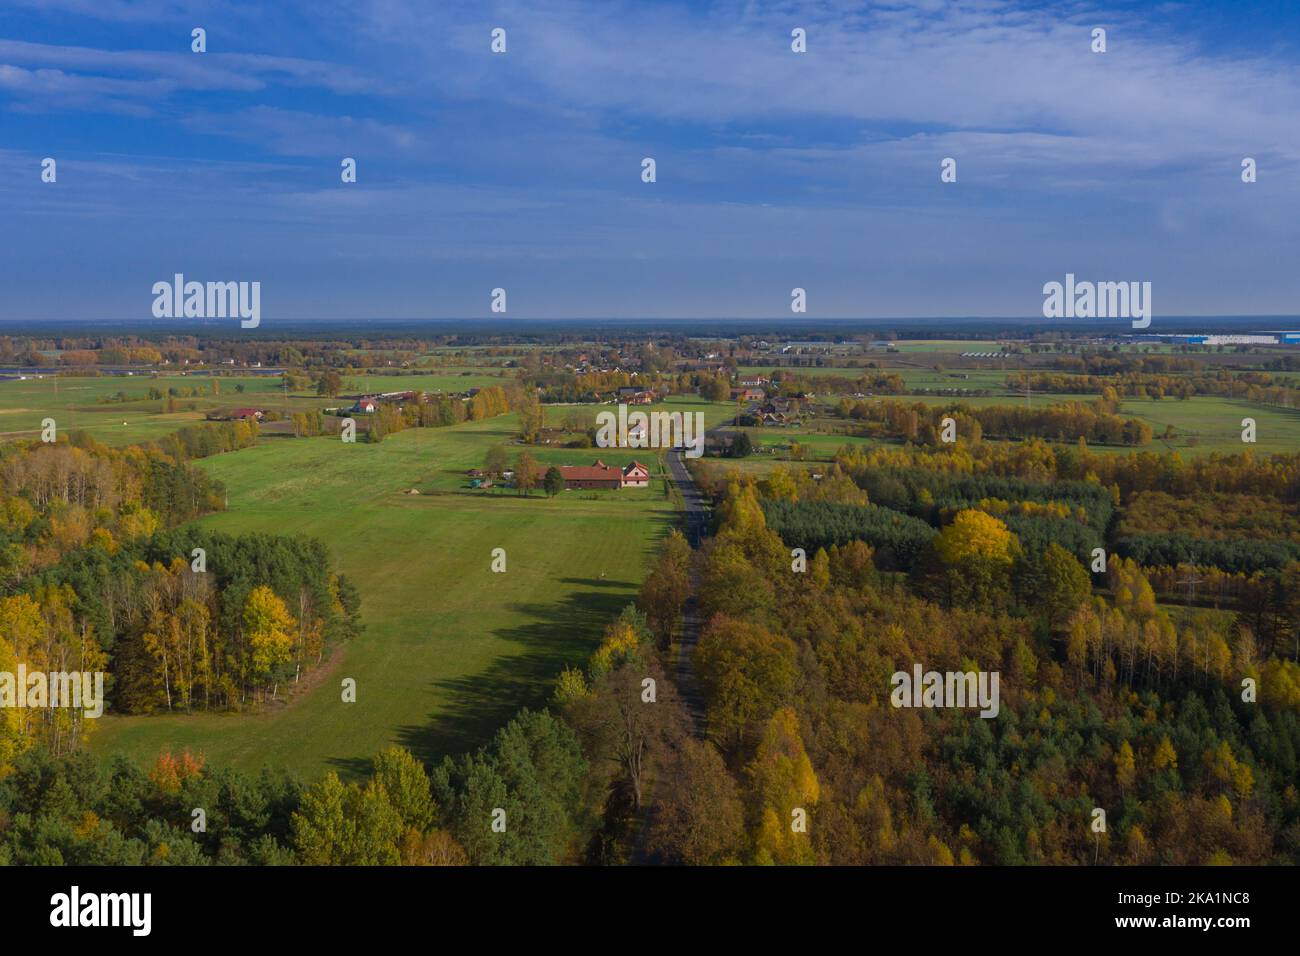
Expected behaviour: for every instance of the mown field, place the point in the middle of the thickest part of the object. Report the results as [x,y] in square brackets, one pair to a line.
[1203,425]
[451,649]
[1206,424]
[75,403]
[453,379]
[946,383]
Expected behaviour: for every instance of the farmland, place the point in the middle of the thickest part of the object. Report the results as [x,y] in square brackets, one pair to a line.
[451,649]
[82,403]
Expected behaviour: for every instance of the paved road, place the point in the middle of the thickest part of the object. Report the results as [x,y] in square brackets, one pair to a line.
[690,495]
[695,526]
[683,675]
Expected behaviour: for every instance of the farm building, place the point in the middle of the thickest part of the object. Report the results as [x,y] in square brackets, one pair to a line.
[636,475]
[634,395]
[600,475]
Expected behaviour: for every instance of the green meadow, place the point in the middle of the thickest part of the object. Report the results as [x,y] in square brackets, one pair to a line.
[1206,424]
[450,649]
[1202,425]
[77,403]
[443,380]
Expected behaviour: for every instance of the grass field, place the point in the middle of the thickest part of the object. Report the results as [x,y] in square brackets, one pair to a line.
[1206,424]
[990,380]
[1203,425]
[451,649]
[74,402]
[445,380]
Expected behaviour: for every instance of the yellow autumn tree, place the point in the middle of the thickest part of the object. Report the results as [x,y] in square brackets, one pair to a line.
[786,789]
[974,534]
[1229,771]
[1125,767]
[1281,684]
[15,515]
[21,624]
[1132,590]
[780,485]
[620,643]
[269,629]
[938,852]
[40,631]
[971,561]
[14,738]
[740,512]
[140,522]
[1166,757]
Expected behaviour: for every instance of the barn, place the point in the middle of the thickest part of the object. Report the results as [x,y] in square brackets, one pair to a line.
[600,475]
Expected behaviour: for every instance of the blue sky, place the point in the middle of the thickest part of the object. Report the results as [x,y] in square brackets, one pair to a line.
[522,170]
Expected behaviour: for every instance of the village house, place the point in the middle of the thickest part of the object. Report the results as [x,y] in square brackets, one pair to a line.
[780,412]
[748,395]
[635,395]
[600,475]
[244,414]
[636,475]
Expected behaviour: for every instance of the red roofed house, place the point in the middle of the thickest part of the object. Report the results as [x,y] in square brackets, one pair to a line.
[600,475]
[244,414]
[636,475]
[595,475]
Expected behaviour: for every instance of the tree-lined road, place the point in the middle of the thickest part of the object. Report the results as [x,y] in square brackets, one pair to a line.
[693,504]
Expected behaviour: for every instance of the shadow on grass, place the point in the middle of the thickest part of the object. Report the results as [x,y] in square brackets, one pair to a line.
[556,635]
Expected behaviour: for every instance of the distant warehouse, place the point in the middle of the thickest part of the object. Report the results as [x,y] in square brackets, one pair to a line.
[1245,338]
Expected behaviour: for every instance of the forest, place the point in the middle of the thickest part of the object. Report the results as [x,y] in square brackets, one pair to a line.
[1107,702]
[1095,422]
[97,575]
[1141,611]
